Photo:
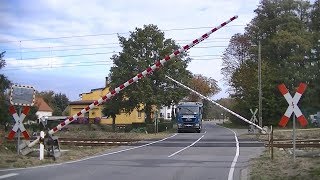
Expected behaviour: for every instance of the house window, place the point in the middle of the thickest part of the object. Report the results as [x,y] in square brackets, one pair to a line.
[139,114]
[168,115]
[161,115]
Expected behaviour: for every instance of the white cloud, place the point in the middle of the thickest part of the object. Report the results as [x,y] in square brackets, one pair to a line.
[34,64]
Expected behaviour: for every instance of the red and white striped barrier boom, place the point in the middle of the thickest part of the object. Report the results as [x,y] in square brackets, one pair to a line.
[293,105]
[146,72]
[226,109]
[19,125]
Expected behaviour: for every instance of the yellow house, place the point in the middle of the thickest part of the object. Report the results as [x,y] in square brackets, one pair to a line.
[87,98]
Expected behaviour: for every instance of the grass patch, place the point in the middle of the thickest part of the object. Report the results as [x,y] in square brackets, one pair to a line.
[283,167]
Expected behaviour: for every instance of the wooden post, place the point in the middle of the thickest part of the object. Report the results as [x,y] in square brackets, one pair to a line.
[271,139]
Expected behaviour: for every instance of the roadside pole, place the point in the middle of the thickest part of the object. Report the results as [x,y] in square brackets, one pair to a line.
[260,88]
[271,139]
[294,137]
[18,142]
[41,149]
[19,132]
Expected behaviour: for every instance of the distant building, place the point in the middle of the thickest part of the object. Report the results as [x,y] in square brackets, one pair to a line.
[87,98]
[43,108]
[165,112]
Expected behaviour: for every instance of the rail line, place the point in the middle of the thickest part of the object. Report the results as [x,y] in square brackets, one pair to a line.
[96,142]
[93,142]
[301,143]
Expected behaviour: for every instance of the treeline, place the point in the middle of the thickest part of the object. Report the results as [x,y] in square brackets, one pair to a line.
[289,33]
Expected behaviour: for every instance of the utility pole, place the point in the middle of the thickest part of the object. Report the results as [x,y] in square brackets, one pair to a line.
[260,89]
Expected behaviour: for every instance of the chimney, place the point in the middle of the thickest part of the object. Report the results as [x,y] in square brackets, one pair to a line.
[107,82]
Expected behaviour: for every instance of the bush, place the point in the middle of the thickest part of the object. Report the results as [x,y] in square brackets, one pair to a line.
[162,126]
[138,130]
[104,127]
[97,120]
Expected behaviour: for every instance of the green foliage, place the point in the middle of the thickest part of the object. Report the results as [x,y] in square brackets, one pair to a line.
[4,99]
[57,101]
[112,108]
[205,85]
[142,49]
[32,114]
[139,130]
[211,111]
[289,32]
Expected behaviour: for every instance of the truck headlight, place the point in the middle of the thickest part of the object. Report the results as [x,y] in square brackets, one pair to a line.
[179,124]
[197,125]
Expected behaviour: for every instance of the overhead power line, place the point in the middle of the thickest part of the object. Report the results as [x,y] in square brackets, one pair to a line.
[107,34]
[75,64]
[102,45]
[92,54]
[69,55]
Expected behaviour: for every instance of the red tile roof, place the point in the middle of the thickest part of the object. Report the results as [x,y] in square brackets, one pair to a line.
[42,105]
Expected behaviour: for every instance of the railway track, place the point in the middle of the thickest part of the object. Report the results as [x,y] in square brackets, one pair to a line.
[92,142]
[300,143]
[96,142]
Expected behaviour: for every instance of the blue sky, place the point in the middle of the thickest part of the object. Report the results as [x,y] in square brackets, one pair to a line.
[73,65]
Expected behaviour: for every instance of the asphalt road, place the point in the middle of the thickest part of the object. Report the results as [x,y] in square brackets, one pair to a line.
[195,156]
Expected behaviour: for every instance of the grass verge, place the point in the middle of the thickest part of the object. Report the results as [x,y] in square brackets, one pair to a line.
[283,167]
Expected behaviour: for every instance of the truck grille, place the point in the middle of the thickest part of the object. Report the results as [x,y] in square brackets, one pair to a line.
[188,119]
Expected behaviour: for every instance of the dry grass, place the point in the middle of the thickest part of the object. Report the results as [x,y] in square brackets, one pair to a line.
[283,167]
[10,159]
[313,133]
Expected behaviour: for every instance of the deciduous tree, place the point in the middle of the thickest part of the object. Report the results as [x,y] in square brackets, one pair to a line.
[141,49]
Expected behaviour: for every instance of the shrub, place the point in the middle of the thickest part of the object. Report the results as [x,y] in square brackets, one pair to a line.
[138,130]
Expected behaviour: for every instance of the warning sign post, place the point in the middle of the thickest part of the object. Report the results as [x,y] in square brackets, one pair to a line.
[293,108]
[22,96]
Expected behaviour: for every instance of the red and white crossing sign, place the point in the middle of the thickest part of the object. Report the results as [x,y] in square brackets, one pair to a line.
[19,119]
[293,105]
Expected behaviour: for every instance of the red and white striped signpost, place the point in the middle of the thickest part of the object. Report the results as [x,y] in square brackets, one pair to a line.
[293,108]
[293,105]
[141,75]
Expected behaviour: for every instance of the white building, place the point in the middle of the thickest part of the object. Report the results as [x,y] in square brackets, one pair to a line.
[43,108]
[166,112]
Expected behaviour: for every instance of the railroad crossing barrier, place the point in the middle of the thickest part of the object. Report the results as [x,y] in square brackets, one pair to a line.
[146,72]
[226,109]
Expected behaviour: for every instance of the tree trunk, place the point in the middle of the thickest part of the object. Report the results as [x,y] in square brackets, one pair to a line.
[147,110]
[173,114]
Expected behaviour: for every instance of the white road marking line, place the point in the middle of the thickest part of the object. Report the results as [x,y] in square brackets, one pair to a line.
[233,164]
[91,157]
[8,175]
[186,147]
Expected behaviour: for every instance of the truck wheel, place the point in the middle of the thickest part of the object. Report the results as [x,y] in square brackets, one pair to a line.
[199,131]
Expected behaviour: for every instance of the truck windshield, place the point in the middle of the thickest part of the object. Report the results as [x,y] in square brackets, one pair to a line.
[188,110]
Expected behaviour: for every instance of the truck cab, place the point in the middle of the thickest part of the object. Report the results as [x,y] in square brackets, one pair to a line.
[189,116]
